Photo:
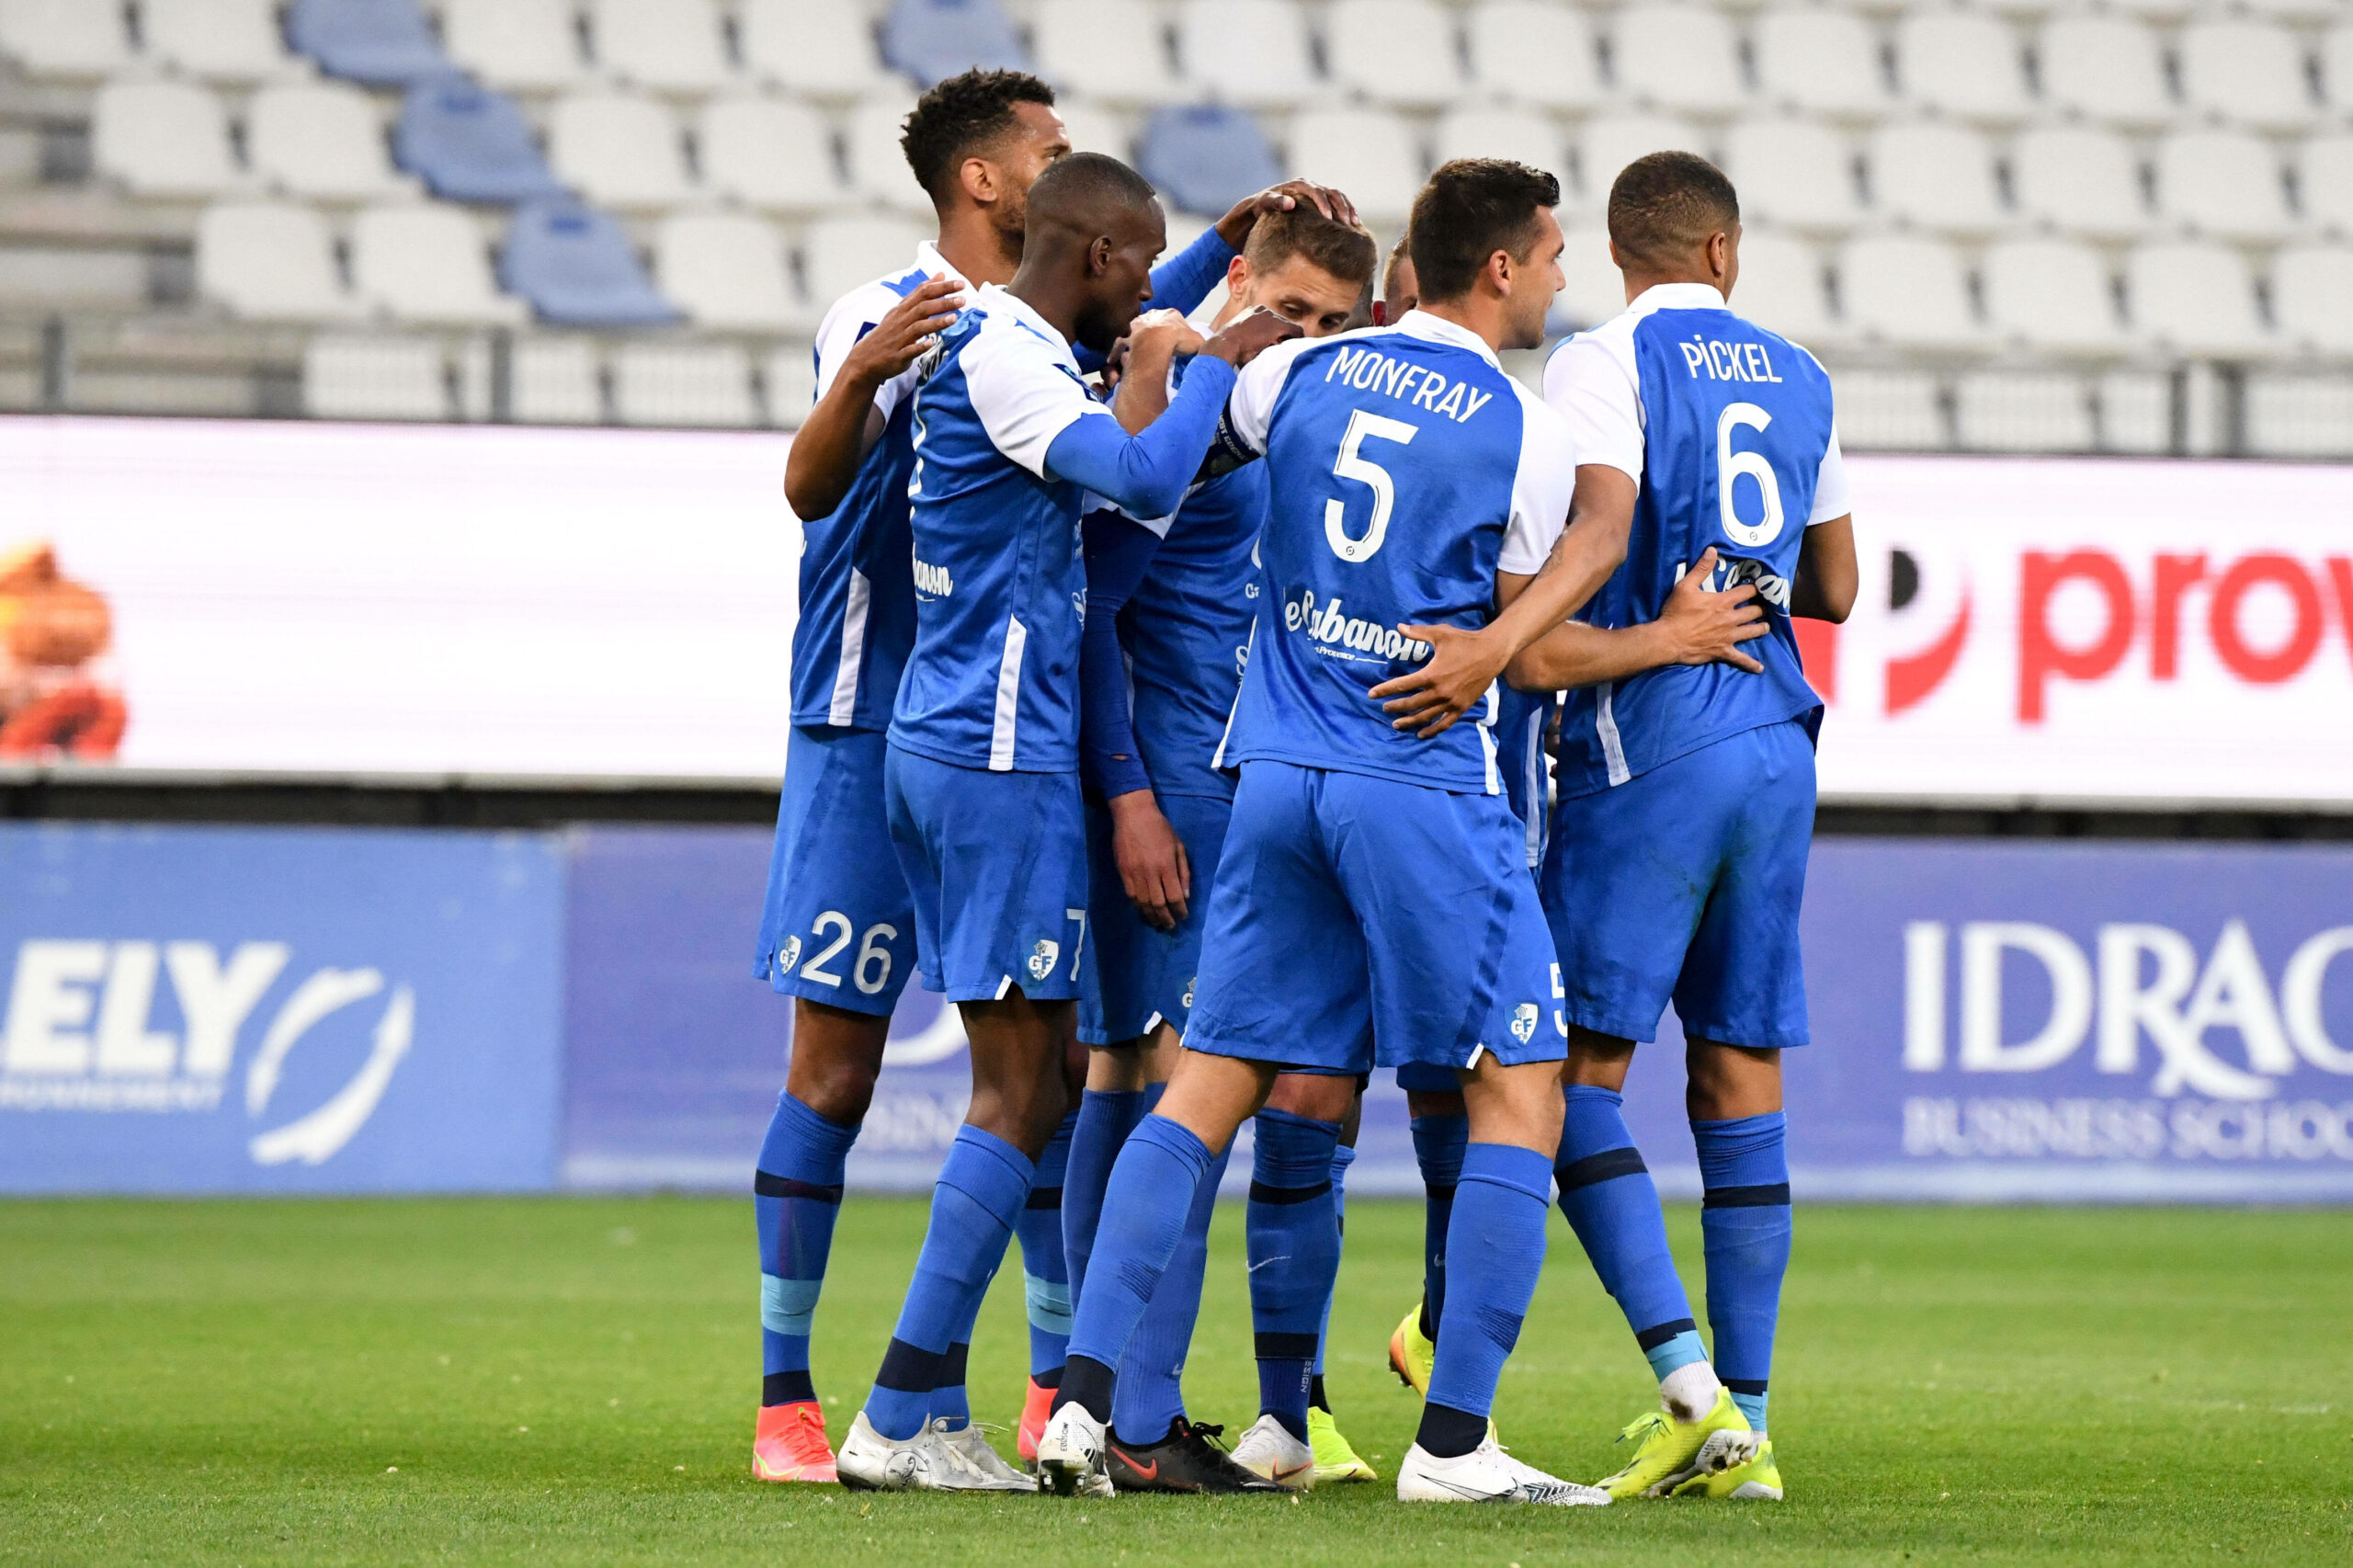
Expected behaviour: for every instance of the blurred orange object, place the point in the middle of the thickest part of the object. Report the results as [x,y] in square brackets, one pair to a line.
[56,693]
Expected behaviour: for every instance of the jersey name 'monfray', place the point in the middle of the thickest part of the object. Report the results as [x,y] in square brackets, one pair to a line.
[1380,642]
[1417,386]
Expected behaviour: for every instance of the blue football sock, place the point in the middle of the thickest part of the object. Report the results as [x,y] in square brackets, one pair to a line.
[1106,1118]
[1144,1211]
[1495,1251]
[1295,1249]
[1342,1158]
[1045,1284]
[1438,1143]
[1743,1165]
[1150,1393]
[1606,1191]
[982,1184]
[797,1192]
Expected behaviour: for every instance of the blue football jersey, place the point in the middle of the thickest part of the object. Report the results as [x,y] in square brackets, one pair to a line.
[1186,632]
[1404,469]
[858,601]
[1526,765]
[1000,585]
[1728,430]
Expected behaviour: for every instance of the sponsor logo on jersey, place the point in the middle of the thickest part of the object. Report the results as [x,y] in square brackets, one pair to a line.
[1332,626]
[1523,1022]
[1417,386]
[1042,957]
[933,580]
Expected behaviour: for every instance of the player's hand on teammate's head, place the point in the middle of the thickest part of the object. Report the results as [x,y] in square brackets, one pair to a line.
[1710,627]
[907,330]
[1462,666]
[1248,337]
[1153,865]
[1243,215]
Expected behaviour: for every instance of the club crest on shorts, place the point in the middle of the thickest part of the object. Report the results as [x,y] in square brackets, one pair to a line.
[1523,1022]
[789,954]
[1042,957]
[1188,997]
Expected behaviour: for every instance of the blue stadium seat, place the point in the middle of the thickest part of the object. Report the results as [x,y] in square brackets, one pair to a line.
[469,143]
[577,269]
[930,39]
[1206,158]
[382,41]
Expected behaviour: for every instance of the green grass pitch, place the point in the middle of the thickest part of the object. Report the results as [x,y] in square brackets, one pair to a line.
[560,1381]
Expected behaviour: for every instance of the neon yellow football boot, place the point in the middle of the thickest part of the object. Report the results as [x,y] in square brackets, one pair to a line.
[1334,1459]
[1410,1353]
[1667,1450]
[1759,1481]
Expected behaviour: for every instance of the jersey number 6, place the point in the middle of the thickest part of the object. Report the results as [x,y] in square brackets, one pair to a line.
[1352,464]
[1731,465]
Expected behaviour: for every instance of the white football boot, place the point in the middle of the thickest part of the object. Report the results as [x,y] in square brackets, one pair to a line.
[978,1467]
[1487,1474]
[1070,1454]
[869,1461]
[1267,1449]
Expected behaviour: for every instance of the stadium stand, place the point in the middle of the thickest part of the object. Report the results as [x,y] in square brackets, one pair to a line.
[1989,217]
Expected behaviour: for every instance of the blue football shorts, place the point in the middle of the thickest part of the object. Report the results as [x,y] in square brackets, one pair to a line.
[996,866]
[1140,976]
[1684,884]
[1357,922]
[837,925]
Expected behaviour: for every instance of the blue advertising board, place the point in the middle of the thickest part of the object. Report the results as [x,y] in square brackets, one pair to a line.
[278,1010]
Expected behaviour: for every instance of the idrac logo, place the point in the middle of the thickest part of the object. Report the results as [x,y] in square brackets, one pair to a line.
[79,1035]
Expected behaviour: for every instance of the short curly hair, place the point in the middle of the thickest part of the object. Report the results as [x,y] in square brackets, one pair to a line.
[1470,208]
[1664,203]
[962,115]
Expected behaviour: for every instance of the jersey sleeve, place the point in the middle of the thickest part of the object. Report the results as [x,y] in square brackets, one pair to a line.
[1541,490]
[1024,396]
[853,316]
[1830,497]
[1594,391]
[1250,412]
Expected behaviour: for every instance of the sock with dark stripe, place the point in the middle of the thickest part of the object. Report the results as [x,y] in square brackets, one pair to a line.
[1150,1393]
[1106,1118]
[1342,1158]
[982,1184]
[1606,1191]
[796,1193]
[1495,1251]
[1295,1249]
[1145,1206]
[1045,1282]
[1744,1166]
[1438,1143]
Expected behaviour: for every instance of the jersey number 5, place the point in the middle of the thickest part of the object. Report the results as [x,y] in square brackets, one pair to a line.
[1731,465]
[1353,464]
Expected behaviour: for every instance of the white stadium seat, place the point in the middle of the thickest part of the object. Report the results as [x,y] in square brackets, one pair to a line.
[221,40]
[428,262]
[1962,64]
[556,382]
[618,150]
[1795,173]
[772,154]
[1781,286]
[1677,57]
[346,377]
[1907,292]
[1400,52]
[2247,71]
[2337,67]
[1936,176]
[1889,410]
[1595,289]
[166,139]
[664,46]
[1366,152]
[2311,297]
[2194,298]
[791,373]
[727,271]
[1535,53]
[1105,49]
[1095,128]
[2296,10]
[2324,183]
[528,46]
[76,39]
[1252,53]
[878,164]
[2224,182]
[1608,143]
[1502,132]
[1821,60]
[2024,411]
[822,48]
[2051,295]
[2107,68]
[321,139]
[2079,181]
[841,254]
[270,261]
[684,383]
